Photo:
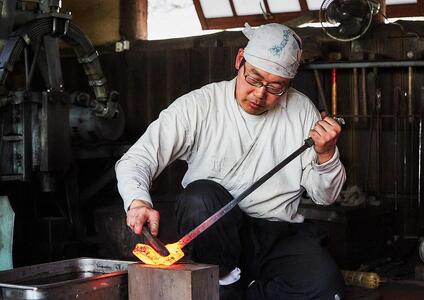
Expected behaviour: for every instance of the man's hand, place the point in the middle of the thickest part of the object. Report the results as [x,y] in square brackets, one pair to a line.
[141,212]
[325,134]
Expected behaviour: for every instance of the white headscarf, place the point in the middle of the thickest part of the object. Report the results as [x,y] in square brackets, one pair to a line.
[274,48]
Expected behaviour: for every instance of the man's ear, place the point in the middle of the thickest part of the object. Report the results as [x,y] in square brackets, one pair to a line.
[239,58]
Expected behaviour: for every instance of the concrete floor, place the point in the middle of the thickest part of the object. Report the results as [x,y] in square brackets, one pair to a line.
[411,290]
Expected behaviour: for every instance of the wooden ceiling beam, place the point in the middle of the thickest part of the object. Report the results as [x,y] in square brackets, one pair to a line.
[404,10]
[200,14]
[303,5]
[399,10]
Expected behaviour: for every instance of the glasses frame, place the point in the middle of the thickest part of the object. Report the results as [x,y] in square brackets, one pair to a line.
[258,83]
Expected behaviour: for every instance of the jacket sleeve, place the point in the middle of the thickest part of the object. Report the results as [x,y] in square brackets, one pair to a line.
[323,182]
[165,140]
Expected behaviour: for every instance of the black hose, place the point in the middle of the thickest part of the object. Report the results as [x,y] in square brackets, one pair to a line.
[83,48]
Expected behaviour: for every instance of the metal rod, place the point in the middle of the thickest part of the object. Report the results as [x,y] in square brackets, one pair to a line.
[26,66]
[369,64]
[420,145]
[321,97]
[363,92]
[378,140]
[355,94]
[410,118]
[334,91]
[396,125]
[154,242]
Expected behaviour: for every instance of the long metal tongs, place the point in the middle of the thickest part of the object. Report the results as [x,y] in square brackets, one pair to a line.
[175,248]
[220,213]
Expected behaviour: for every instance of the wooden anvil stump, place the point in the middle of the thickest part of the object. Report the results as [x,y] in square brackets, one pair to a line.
[177,282]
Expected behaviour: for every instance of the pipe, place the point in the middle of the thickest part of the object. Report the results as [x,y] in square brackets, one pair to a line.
[368,64]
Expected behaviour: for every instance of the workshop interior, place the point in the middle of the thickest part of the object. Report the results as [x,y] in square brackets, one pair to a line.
[80,82]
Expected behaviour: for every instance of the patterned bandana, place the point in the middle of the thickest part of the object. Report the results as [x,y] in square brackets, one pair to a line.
[274,48]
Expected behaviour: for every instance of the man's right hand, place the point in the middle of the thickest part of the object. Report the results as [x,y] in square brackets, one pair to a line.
[141,212]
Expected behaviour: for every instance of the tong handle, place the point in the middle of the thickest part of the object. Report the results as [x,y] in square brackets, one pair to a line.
[155,242]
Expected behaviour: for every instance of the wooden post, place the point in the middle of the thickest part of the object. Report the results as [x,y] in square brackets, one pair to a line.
[176,282]
[133,19]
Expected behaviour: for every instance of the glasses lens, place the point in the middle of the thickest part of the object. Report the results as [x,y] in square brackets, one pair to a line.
[252,81]
[274,90]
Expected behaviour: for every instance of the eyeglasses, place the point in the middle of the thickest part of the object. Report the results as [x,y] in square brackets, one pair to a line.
[270,88]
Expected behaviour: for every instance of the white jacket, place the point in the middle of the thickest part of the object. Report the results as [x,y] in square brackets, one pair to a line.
[208,129]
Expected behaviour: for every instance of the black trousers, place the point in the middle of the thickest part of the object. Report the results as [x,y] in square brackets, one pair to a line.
[284,259]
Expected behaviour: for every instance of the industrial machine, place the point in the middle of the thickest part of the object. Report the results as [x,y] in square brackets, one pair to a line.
[42,124]
[38,117]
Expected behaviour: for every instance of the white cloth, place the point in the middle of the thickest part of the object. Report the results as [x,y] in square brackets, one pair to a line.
[274,48]
[206,128]
[231,277]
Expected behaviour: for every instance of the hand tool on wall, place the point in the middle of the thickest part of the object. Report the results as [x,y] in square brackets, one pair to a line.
[378,139]
[149,256]
[420,145]
[321,96]
[396,94]
[410,103]
[363,98]
[404,96]
[411,130]
[355,104]
[334,91]
[371,93]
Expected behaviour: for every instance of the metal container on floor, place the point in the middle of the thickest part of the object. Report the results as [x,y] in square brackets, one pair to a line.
[80,278]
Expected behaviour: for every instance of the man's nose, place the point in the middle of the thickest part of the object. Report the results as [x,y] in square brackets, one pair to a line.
[260,92]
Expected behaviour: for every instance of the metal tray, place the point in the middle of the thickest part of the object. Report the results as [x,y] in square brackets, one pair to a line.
[80,278]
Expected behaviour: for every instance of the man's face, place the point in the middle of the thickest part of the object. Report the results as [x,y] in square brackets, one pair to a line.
[257,100]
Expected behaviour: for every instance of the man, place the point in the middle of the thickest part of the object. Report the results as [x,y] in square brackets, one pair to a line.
[231,133]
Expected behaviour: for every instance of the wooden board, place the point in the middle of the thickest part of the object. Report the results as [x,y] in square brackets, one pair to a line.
[176,282]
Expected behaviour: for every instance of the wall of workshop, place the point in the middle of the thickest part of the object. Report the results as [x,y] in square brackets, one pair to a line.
[98,19]
[379,149]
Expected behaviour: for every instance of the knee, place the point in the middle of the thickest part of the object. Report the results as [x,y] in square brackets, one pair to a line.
[332,286]
[202,196]
[328,284]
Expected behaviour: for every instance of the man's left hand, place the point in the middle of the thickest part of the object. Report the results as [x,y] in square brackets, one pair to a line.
[325,134]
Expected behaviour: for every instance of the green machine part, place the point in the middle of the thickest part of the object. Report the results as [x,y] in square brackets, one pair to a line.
[7,219]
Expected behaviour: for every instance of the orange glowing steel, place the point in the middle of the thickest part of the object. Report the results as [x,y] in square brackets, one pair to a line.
[150,257]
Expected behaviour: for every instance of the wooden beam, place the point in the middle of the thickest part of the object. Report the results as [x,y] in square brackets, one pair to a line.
[200,14]
[399,10]
[303,5]
[403,10]
[179,281]
[133,19]
[233,8]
